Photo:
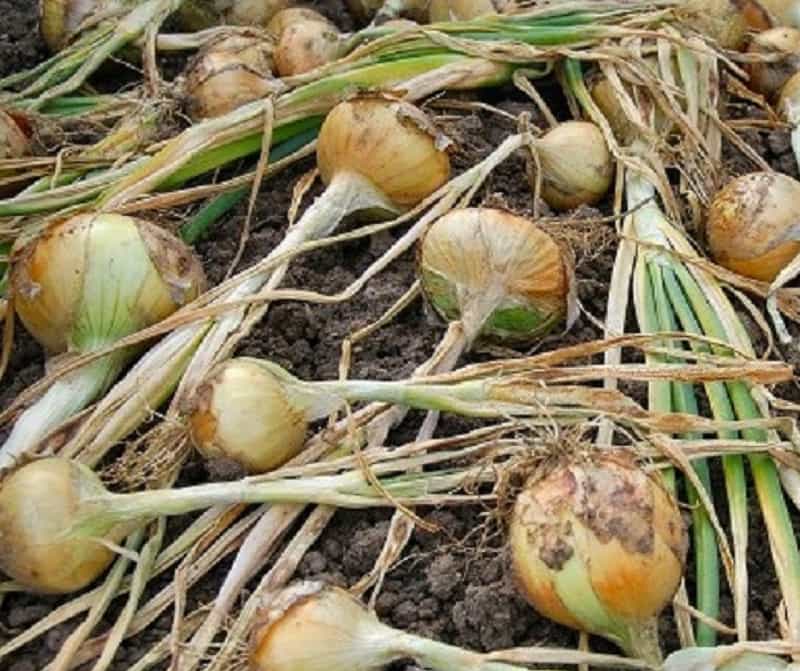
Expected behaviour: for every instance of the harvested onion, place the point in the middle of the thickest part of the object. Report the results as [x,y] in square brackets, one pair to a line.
[305,42]
[500,274]
[577,167]
[243,413]
[599,545]
[768,77]
[460,10]
[37,503]
[729,22]
[80,286]
[60,19]
[14,137]
[256,13]
[383,11]
[752,225]
[227,74]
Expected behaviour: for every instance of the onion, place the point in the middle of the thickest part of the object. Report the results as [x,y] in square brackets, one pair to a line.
[286,17]
[784,12]
[37,503]
[729,22]
[60,19]
[14,136]
[577,167]
[752,225]
[459,10]
[242,412]
[768,78]
[80,286]
[305,42]
[384,10]
[599,545]
[227,74]
[500,274]
[256,13]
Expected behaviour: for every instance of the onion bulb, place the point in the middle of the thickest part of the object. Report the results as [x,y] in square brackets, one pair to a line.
[60,19]
[306,41]
[577,167]
[752,225]
[599,545]
[500,274]
[729,22]
[227,74]
[15,139]
[80,286]
[37,503]
[768,77]
[784,12]
[243,413]
[257,13]
[383,11]
[460,10]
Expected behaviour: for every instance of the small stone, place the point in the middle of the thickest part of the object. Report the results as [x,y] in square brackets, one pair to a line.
[779,142]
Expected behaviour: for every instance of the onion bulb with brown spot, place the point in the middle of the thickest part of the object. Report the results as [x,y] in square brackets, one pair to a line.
[768,77]
[577,167]
[227,74]
[243,413]
[729,22]
[80,286]
[60,19]
[599,545]
[305,42]
[500,274]
[752,225]
[37,504]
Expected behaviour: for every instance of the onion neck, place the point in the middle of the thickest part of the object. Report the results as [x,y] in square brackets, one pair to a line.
[641,641]
[443,657]
[65,397]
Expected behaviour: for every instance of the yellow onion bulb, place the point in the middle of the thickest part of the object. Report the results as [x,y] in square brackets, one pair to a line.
[387,142]
[59,19]
[440,11]
[255,13]
[38,504]
[227,74]
[286,17]
[242,413]
[789,101]
[729,22]
[15,139]
[577,167]
[752,225]
[92,279]
[784,12]
[769,77]
[500,274]
[599,545]
[305,45]
[313,627]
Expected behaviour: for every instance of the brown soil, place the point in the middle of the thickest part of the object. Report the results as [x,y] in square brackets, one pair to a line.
[455,586]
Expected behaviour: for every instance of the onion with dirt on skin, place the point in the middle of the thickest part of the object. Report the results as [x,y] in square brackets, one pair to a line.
[80,286]
[729,22]
[752,225]
[600,546]
[229,73]
[306,40]
[782,46]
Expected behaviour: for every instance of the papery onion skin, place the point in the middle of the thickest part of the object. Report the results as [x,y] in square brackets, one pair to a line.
[58,19]
[598,545]
[752,225]
[256,13]
[92,279]
[37,505]
[768,78]
[306,45]
[286,17]
[729,22]
[478,260]
[388,142]
[227,74]
[577,167]
[460,10]
[14,140]
[242,413]
[311,627]
[785,12]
